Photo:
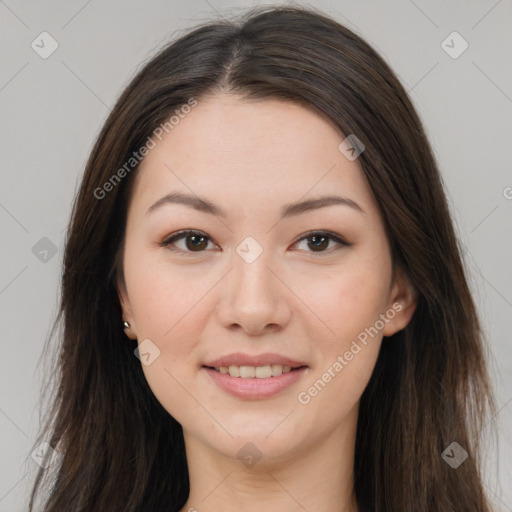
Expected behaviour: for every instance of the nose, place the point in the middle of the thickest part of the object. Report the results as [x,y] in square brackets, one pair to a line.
[253,299]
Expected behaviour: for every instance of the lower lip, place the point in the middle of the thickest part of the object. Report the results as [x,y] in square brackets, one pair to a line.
[253,388]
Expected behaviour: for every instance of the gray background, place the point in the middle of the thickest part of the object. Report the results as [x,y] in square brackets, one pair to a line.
[51,110]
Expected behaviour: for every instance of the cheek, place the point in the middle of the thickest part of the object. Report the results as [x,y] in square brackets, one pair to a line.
[351,300]
[351,308]
[349,337]
[167,308]
[162,295]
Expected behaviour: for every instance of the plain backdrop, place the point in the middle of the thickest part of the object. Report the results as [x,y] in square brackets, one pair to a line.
[52,108]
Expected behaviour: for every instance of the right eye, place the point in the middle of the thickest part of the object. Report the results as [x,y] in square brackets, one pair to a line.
[194,241]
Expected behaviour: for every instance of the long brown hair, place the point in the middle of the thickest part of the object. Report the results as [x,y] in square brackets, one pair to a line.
[120,449]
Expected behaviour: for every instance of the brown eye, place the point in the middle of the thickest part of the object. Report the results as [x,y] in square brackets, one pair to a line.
[193,242]
[318,242]
[197,243]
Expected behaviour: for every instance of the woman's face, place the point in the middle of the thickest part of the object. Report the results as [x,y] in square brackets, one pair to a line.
[254,284]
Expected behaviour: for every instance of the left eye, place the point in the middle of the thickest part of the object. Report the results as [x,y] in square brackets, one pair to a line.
[196,241]
[319,241]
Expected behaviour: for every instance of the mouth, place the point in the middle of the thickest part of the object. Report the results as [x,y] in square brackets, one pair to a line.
[254,376]
[255,372]
[255,382]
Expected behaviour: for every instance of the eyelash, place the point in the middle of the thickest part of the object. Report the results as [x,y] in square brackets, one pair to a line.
[310,234]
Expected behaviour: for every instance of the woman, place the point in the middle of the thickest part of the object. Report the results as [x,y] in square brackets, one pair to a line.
[263,300]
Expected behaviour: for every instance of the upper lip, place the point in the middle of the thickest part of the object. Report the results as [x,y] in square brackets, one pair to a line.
[240,359]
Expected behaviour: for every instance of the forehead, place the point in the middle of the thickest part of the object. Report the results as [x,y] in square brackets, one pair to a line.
[252,153]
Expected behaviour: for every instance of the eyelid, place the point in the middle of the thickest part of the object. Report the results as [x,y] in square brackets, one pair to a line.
[328,234]
[322,232]
[167,242]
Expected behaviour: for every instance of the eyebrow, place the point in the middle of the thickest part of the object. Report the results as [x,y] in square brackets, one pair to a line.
[288,210]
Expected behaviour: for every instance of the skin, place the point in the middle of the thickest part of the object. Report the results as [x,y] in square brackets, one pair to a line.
[250,158]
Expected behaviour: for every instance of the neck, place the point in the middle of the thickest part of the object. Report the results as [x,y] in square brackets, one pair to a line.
[318,477]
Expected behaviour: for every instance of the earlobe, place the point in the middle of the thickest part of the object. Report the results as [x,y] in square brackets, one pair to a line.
[128,324]
[402,305]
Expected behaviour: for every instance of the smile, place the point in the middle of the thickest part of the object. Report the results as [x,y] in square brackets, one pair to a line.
[255,382]
[258,372]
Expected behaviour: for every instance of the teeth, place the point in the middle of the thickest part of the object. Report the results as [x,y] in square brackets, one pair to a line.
[250,372]
[263,372]
[234,371]
[247,372]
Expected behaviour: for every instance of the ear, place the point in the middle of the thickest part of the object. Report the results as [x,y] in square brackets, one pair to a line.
[402,303]
[126,309]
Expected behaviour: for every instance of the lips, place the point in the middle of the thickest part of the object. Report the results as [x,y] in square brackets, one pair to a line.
[259,372]
[266,359]
[256,388]
[233,373]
